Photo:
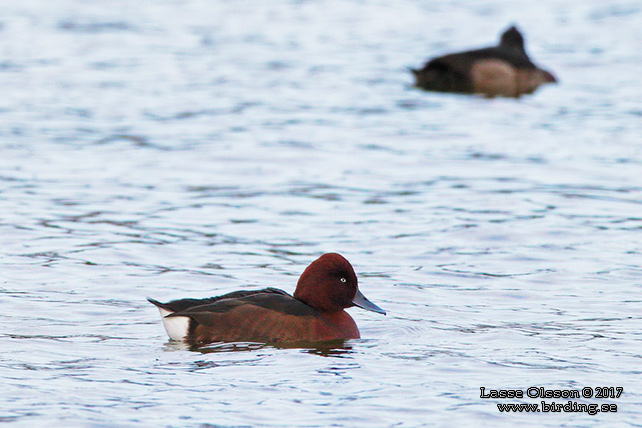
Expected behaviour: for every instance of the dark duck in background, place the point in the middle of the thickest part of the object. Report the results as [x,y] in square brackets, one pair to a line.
[503,70]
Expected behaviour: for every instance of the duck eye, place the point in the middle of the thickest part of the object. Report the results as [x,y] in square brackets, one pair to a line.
[344,280]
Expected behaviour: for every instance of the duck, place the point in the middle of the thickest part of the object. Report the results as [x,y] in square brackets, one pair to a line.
[504,70]
[314,313]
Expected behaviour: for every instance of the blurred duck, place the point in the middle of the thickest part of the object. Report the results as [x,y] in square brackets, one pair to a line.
[504,70]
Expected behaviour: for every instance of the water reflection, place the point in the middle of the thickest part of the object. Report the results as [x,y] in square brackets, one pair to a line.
[331,348]
[335,348]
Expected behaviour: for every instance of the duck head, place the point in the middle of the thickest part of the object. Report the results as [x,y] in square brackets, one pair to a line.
[330,285]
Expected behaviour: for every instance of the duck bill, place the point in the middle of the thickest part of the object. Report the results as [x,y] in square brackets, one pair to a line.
[361,301]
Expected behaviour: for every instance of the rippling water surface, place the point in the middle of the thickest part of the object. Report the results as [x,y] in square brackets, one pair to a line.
[191,148]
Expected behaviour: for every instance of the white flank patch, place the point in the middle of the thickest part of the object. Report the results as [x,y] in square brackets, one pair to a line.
[176,327]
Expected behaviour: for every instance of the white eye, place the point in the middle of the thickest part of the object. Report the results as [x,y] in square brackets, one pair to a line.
[344,280]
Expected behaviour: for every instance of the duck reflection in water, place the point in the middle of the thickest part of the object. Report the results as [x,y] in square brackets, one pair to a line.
[329,348]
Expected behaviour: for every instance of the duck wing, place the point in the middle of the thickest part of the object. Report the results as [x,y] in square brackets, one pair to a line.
[184,304]
[269,299]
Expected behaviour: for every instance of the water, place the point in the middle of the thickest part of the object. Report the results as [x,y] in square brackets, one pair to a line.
[191,148]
